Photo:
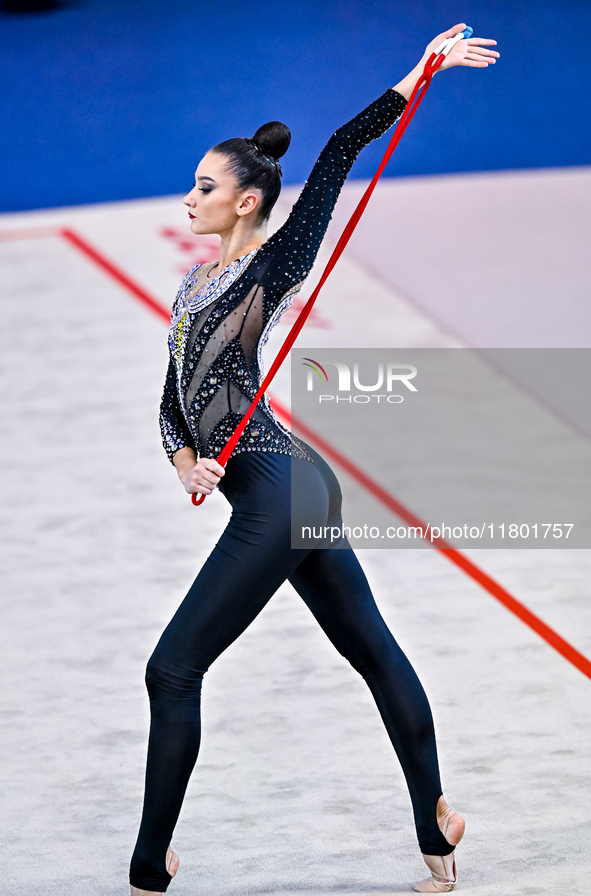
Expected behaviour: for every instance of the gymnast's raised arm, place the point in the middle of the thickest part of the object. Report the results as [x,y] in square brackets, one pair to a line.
[295,245]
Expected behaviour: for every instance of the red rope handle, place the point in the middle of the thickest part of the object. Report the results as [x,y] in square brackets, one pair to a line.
[415,100]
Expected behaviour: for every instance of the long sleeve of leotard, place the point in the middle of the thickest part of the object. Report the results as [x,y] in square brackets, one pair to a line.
[205,395]
[293,248]
[173,427]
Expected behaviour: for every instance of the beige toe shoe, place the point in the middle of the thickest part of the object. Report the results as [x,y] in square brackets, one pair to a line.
[443,875]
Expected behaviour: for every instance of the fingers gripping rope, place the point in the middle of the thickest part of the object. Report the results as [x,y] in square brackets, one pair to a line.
[416,97]
[444,48]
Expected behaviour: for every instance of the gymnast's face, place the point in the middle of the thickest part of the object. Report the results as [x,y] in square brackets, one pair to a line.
[216,204]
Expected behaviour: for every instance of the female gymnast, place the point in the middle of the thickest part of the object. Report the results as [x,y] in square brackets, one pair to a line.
[220,321]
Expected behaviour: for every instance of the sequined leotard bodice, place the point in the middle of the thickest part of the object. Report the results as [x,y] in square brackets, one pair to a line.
[219,326]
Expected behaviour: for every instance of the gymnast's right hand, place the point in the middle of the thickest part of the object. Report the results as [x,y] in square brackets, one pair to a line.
[199,477]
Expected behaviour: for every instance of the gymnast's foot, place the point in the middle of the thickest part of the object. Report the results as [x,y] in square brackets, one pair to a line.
[451,825]
[172,866]
[443,868]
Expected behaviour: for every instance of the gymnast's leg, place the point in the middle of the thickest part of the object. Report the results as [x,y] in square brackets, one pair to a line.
[335,588]
[249,563]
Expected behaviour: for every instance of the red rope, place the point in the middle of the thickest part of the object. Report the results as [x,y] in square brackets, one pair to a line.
[415,100]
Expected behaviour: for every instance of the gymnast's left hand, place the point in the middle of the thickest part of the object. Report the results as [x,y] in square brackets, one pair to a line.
[203,477]
[199,477]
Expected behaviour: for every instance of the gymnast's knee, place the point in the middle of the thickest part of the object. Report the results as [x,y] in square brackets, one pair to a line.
[168,681]
[373,657]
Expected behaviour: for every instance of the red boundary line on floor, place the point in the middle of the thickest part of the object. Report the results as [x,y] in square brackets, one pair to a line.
[83,246]
[453,554]
[497,591]
[115,272]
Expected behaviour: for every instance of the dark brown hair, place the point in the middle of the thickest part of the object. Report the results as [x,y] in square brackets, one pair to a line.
[253,161]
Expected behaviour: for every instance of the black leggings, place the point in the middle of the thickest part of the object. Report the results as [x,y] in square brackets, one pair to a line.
[249,563]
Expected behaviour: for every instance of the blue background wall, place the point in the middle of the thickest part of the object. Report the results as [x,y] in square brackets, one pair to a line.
[106,100]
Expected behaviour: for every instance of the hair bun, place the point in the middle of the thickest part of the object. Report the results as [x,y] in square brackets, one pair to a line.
[273,138]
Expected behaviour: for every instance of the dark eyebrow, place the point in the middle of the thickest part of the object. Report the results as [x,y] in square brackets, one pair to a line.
[210,179]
